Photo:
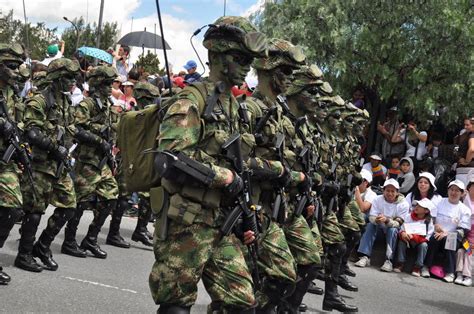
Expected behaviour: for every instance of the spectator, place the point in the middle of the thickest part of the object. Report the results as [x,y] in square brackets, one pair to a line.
[414,140]
[424,187]
[240,90]
[394,170]
[182,74]
[464,254]
[358,98]
[166,80]
[53,52]
[406,179]
[134,76]
[127,101]
[378,171]
[116,91]
[450,216]
[178,81]
[192,75]
[386,215]
[432,149]
[122,63]
[387,130]
[364,196]
[419,216]
[466,150]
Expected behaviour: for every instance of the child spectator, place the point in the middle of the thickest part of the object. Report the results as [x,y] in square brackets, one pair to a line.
[464,254]
[419,216]
[450,216]
[406,178]
[394,170]
[378,171]
[424,187]
[363,194]
[386,215]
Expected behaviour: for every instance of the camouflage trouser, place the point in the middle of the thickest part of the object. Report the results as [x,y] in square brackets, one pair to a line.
[275,260]
[195,251]
[330,231]
[301,242]
[10,192]
[357,215]
[317,239]
[90,182]
[347,221]
[57,192]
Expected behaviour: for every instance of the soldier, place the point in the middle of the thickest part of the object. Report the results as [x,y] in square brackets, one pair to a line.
[94,181]
[197,122]
[11,201]
[48,129]
[273,76]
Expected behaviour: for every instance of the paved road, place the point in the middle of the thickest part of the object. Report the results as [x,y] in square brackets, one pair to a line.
[120,284]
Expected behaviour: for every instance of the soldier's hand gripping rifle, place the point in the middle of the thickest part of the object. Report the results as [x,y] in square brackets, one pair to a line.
[244,208]
[261,124]
[16,147]
[280,203]
[106,147]
[61,154]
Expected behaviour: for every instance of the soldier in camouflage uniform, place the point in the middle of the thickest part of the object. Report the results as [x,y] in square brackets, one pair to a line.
[273,76]
[48,128]
[95,185]
[11,201]
[194,247]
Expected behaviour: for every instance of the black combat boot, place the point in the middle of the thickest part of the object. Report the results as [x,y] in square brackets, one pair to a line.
[70,246]
[114,238]
[55,223]
[90,241]
[315,289]
[140,233]
[345,284]
[8,218]
[352,239]
[173,309]
[4,278]
[333,301]
[306,274]
[24,259]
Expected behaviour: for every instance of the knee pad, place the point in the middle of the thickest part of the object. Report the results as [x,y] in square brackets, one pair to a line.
[68,213]
[308,272]
[338,249]
[276,290]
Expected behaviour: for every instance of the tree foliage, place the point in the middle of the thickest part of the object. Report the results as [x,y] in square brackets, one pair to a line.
[39,36]
[415,54]
[150,63]
[88,35]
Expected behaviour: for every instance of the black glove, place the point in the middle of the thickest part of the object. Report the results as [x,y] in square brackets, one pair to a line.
[306,185]
[235,187]
[285,179]
[6,128]
[330,189]
[60,153]
[105,147]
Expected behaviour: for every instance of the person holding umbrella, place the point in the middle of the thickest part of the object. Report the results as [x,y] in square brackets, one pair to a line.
[122,60]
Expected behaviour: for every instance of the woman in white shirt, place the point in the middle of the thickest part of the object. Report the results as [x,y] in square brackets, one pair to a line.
[450,216]
[424,188]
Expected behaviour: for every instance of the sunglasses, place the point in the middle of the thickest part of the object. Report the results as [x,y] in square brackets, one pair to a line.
[11,65]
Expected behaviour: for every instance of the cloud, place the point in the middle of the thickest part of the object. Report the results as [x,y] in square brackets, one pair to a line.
[178,9]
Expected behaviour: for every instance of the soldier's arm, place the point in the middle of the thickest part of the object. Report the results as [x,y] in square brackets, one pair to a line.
[180,131]
[35,114]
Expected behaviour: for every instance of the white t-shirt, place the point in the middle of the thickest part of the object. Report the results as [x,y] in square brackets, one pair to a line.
[369,195]
[435,199]
[76,96]
[452,216]
[47,61]
[411,149]
[391,210]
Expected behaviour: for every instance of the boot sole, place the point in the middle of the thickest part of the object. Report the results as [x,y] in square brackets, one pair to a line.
[330,308]
[96,256]
[122,246]
[142,242]
[33,270]
[75,255]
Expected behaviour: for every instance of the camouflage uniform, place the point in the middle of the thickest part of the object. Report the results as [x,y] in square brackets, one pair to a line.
[11,199]
[194,247]
[95,185]
[47,115]
[284,58]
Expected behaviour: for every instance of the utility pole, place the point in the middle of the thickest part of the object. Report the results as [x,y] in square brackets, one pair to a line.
[27,44]
[99,28]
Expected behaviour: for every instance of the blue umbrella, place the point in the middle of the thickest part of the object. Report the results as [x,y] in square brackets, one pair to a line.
[97,53]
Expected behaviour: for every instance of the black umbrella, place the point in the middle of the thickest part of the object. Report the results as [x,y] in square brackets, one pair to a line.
[143,39]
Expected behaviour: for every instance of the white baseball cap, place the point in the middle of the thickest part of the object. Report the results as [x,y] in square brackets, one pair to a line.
[457,183]
[366,175]
[425,203]
[392,182]
[430,178]
[375,156]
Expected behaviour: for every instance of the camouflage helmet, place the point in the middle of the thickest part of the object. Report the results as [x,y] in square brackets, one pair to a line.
[100,74]
[62,66]
[306,78]
[40,80]
[326,89]
[235,33]
[145,89]
[12,53]
[280,53]
[24,72]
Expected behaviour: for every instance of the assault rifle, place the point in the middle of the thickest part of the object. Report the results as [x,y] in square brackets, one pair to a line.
[261,124]
[62,163]
[279,206]
[244,207]
[108,158]
[16,147]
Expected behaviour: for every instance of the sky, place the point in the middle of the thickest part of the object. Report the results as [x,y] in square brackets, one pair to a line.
[180,19]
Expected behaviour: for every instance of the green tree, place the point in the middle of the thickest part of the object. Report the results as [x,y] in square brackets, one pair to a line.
[150,63]
[414,54]
[39,36]
[88,35]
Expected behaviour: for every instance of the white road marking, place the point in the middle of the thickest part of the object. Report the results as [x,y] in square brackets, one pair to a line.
[99,284]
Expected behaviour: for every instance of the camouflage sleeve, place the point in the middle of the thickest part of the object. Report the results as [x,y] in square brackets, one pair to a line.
[35,114]
[296,177]
[82,115]
[181,130]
